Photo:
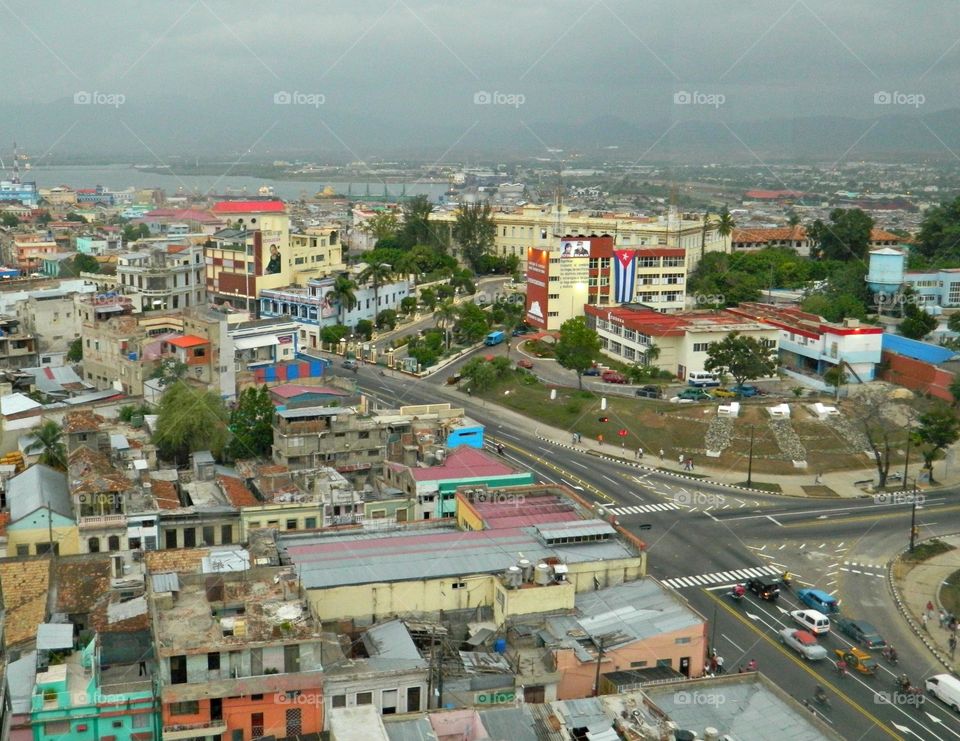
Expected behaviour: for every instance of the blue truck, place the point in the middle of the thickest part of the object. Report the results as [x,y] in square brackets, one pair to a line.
[495,338]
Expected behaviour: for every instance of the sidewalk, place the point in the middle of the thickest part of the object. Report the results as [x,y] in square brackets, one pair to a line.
[921,585]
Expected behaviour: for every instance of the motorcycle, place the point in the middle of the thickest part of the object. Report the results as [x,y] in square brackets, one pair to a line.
[890,655]
[822,699]
[737,593]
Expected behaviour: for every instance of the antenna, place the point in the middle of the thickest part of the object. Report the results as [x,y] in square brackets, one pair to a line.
[16,165]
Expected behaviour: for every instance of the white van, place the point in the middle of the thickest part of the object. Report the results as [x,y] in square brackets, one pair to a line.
[816,622]
[700,379]
[946,689]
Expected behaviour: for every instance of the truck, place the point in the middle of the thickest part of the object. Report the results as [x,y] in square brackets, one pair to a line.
[495,338]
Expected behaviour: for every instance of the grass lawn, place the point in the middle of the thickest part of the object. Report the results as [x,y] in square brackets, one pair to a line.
[762,486]
[926,550]
[950,594]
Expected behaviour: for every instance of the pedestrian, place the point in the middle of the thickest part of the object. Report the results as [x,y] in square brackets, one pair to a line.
[952,624]
[923,619]
[953,644]
[661,454]
[574,438]
[690,461]
[143,667]
[713,664]
[943,618]
[719,665]
[600,438]
[639,453]
[929,607]
[680,459]
[818,479]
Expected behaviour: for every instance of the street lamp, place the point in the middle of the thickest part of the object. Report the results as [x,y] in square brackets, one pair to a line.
[750,459]
[913,497]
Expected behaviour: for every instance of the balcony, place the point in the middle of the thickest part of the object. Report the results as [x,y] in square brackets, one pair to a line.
[102,521]
[192,730]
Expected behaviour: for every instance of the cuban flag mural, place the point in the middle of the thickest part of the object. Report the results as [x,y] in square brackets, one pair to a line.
[624,275]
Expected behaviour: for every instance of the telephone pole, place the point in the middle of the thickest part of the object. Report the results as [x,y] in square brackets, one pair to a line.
[600,652]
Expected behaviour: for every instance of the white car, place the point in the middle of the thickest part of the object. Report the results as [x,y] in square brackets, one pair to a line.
[816,622]
[804,643]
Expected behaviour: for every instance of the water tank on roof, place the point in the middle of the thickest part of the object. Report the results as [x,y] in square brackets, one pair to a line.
[133,356]
[513,577]
[526,567]
[885,273]
[542,575]
[500,645]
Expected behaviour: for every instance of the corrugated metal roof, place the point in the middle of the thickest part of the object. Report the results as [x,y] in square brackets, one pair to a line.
[38,486]
[53,636]
[579,528]
[390,641]
[918,350]
[17,404]
[120,611]
[313,412]
[168,582]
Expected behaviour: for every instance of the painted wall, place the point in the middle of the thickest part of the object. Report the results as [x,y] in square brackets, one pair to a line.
[531,599]
[36,528]
[917,375]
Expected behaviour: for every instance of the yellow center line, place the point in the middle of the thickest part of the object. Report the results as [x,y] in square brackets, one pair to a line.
[793,657]
[564,473]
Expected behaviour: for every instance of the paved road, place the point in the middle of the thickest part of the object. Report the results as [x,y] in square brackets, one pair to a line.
[702,539]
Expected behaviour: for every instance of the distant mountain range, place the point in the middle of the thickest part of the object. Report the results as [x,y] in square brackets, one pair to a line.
[149,133]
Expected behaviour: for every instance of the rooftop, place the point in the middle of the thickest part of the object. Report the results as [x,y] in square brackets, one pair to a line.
[797,321]
[188,340]
[530,508]
[249,207]
[82,421]
[230,610]
[339,559]
[461,463]
[38,486]
[237,492]
[25,582]
[656,324]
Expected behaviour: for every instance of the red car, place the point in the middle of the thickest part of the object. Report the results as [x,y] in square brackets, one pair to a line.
[524,363]
[612,376]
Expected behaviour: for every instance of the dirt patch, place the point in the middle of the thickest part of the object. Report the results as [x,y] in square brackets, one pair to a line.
[819,491]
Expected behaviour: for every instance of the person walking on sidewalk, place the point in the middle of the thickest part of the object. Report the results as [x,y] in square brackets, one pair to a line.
[680,459]
[640,454]
[924,619]
[661,454]
[953,645]
[719,665]
[600,438]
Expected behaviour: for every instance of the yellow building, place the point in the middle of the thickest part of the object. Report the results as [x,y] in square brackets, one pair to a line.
[316,252]
[41,514]
[536,226]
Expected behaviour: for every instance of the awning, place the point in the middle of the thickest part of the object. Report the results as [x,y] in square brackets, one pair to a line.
[248,343]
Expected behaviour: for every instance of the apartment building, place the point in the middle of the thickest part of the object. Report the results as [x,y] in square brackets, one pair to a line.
[239,655]
[538,226]
[796,238]
[166,277]
[18,347]
[52,317]
[28,251]
[576,272]
[315,252]
[627,333]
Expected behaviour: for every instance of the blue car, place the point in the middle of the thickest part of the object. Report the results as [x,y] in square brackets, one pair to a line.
[819,601]
[745,390]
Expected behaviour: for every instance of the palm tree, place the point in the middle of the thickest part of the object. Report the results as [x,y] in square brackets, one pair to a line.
[344,293]
[446,314]
[652,353]
[707,223]
[49,441]
[376,273]
[725,223]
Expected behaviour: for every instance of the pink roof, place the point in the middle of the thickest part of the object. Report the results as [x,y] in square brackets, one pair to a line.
[178,214]
[249,207]
[463,463]
[525,511]
[288,390]
[188,340]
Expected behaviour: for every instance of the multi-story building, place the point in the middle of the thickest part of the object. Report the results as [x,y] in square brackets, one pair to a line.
[537,227]
[239,655]
[76,697]
[589,270]
[29,250]
[195,513]
[15,191]
[60,195]
[810,346]
[627,333]
[313,308]
[52,317]
[167,278]
[796,238]
[41,514]
[18,348]
[316,251]
[98,244]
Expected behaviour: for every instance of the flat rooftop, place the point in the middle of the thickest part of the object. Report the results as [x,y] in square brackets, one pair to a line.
[511,507]
[325,561]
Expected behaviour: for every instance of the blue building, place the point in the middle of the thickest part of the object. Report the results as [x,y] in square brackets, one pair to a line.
[313,308]
[12,191]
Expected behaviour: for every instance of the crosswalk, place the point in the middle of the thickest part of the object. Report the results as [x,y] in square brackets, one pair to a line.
[640,508]
[719,577]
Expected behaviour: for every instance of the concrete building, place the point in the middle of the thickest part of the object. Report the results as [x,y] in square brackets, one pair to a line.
[809,345]
[538,226]
[238,654]
[166,277]
[18,348]
[316,251]
[41,514]
[52,317]
[795,238]
[577,272]
[313,308]
[627,333]
[98,244]
[29,250]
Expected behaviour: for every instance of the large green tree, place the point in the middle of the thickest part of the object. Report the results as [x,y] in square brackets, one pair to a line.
[475,231]
[740,357]
[916,323]
[189,419]
[251,424]
[75,351]
[168,371]
[377,274]
[938,428]
[939,237]
[417,227]
[382,225]
[846,236]
[472,323]
[48,441]
[577,347]
[344,294]
[479,374]
[445,316]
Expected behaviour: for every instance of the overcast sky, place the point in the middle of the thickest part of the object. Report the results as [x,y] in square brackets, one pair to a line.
[417,64]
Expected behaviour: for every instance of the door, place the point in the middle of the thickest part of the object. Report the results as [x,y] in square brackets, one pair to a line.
[536,694]
[685,666]
[216,708]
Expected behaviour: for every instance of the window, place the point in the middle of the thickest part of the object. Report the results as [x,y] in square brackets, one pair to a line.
[189,537]
[338,701]
[291,524]
[140,720]
[553,296]
[57,728]
[413,699]
[310,523]
[208,535]
[458,585]
[256,725]
[213,662]
[190,707]
[117,724]
[637,664]
[364,698]
[294,722]
[93,545]
[700,346]
[388,702]
[236,734]
[682,640]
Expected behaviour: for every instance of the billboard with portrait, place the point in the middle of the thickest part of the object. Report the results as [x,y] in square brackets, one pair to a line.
[574,248]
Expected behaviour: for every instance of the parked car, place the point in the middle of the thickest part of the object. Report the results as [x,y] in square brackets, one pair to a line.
[454,379]
[815,622]
[860,631]
[612,376]
[746,390]
[649,392]
[819,600]
[351,364]
[525,363]
[703,378]
[804,643]
[594,371]
[723,393]
[765,587]
[521,330]
[693,394]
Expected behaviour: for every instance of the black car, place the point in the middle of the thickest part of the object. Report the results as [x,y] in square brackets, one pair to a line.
[765,587]
[649,392]
[860,631]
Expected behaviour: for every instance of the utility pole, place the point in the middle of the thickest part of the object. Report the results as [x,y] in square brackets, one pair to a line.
[913,505]
[600,653]
[750,459]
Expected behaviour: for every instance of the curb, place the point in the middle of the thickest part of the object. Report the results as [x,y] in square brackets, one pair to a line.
[917,630]
[663,472]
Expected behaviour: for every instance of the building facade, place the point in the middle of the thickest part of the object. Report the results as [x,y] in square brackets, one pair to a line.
[166,277]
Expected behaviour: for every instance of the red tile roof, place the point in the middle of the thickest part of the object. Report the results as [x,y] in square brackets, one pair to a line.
[237,492]
[249,207]
[655,324]
[188,340]
[779,234]
[165,493]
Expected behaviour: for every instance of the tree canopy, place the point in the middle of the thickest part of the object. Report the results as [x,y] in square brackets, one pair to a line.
[938,241]
[48,441]
[475,231]
[251,424]
[742,358]
[577,347]
[916,323]
[938,428]
[845,237]
[188,420]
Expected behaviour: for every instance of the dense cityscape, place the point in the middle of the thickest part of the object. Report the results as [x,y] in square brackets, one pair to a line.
[368,375]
